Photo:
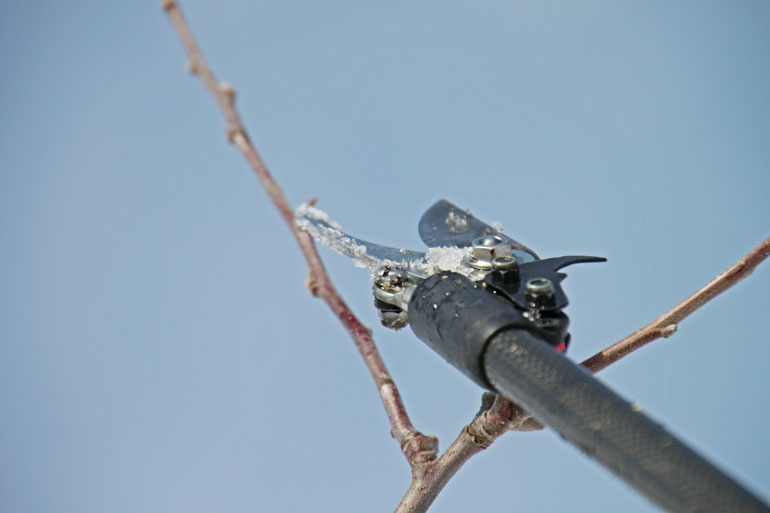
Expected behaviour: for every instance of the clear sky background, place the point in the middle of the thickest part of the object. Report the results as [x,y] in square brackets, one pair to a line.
[158,349]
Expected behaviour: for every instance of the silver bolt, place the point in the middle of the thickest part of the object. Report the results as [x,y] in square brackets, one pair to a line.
[489,240]
[540,287]
[389,279]
[504,263]
[486,249]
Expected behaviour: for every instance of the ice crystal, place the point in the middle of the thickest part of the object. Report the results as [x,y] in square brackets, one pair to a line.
[324,230]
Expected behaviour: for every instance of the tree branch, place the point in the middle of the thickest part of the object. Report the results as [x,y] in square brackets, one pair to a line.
[415,446]
[666,324]
[497,414]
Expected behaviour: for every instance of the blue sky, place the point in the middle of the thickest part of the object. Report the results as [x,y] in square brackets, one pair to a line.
[158,349]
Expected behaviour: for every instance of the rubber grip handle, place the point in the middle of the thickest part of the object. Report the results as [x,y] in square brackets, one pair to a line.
[570,400]
[456,317]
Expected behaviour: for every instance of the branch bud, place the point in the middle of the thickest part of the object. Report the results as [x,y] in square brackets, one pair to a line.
[191,66]
[229,91]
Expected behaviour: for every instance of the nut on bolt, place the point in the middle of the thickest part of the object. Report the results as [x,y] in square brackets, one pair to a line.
[486,249]
[392,290]
[540,293]
[505,263]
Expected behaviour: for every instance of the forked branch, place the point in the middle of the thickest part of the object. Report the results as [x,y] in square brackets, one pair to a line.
[497,414]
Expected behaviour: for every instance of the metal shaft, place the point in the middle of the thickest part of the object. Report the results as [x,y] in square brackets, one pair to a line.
[608,429]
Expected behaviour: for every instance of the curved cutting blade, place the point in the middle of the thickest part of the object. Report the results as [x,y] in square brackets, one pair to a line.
[362,252]
[445,224]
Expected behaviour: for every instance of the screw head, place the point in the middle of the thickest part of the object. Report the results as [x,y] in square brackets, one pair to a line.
[540,292]
[540,286]
[505,263]
[488,240]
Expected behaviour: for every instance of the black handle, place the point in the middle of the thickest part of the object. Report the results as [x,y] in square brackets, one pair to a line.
[569,399]
[487,338]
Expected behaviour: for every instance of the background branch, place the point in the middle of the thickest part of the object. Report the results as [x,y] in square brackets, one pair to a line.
[666,324]
[414,444]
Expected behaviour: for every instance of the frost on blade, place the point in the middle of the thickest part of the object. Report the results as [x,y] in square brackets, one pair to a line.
[363,253]
[324,230]
[457,223]
[374,256]
[307,211]
[449,259]
[443,259]
[497,226]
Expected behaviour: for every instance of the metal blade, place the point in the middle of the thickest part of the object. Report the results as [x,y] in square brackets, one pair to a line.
[445,224]
[362,252]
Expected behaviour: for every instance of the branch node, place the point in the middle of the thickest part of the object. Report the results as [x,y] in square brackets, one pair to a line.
[478,435]
[168,5]
[192,66]
[420,449]
[667,331]
[231,132]
[229,92]
[312,284]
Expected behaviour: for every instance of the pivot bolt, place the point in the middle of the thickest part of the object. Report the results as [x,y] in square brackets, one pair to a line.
[488,240]
[391,279]
[486,249]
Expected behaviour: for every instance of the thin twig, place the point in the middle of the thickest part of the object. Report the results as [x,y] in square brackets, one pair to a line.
[415,446]
[666,324]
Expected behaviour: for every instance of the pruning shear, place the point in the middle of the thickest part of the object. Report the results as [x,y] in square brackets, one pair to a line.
[493,309]
[528,289]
